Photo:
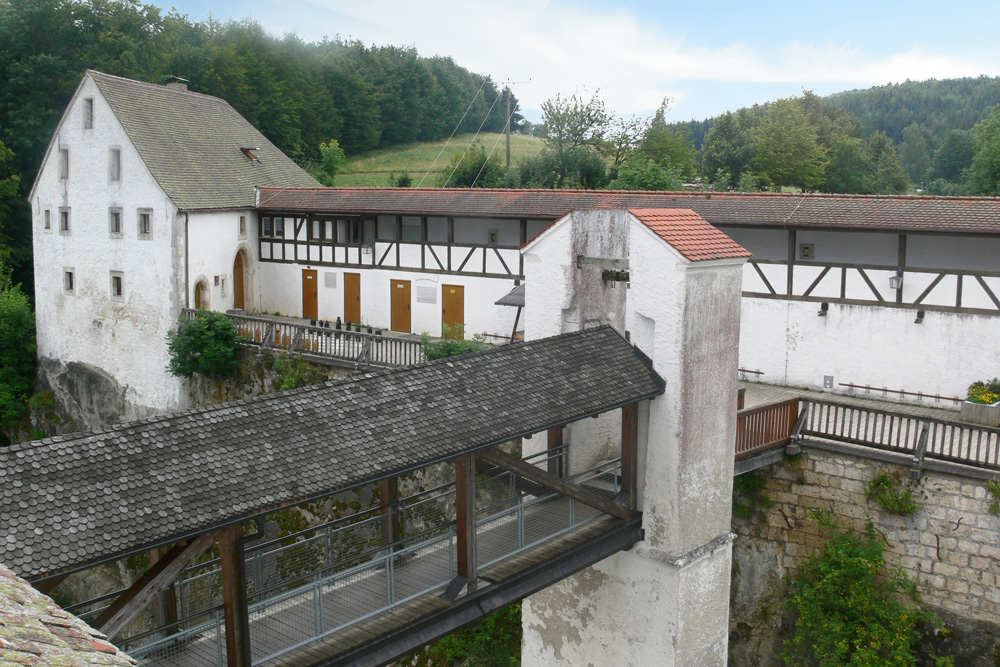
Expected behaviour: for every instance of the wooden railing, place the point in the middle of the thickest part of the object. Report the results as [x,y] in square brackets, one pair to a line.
[359,348]
[765,427]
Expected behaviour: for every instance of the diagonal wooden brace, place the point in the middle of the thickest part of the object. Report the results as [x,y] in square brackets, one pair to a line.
[550,481]
[157,579]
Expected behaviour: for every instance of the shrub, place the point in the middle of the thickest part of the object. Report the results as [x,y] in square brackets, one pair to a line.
[885,489]
[207,345]
[17,354]
[748,494]
[453,343]
[985,393]
[493,642]
[850,609]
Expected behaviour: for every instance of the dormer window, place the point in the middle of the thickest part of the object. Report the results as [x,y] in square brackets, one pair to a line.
[88,113]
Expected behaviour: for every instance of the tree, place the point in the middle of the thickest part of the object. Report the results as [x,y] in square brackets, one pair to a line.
[8,201]
[331,159]
[727,147]
[208,344]
[915,153]
[786,147]
[954,156]
[472,168]
[983,176]
[641,173]
[848,168]
[17,354]
[623,137]
[887,174]
[666,145]
[574,122]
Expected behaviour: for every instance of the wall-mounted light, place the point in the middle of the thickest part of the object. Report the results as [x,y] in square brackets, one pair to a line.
[824,308]
[366,249]
[896,281]
[920,317]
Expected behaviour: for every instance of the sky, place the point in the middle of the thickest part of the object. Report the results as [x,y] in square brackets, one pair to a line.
[706,57]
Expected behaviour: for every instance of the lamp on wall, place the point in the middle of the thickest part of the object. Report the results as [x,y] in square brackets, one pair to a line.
[824,308]
[896,281]
[920,317]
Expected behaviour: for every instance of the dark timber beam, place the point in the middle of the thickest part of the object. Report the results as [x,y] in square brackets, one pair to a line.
[630,446]
[549,481]
[49,585]
[158,577]
[901,264]
[389,492]
[465,506]
[234,597]
[166,613]
[791,262]
[555,442]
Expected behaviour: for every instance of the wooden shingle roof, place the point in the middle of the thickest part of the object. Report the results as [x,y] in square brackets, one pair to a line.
[73,501]
[965,215]
[191,145]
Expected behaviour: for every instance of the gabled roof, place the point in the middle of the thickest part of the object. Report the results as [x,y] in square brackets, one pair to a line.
[689,234]
[35,631]
[191,144]
[73,501]
[888,213]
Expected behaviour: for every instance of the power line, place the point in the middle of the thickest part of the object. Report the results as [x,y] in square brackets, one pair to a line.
[474,98]
[485,118]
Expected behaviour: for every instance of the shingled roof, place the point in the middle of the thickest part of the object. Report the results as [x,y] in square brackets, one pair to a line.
[35,631]
[191,144]
[73,501]
[966,215]
[689,234]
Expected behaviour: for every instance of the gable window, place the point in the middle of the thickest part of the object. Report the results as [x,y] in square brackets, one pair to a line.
[145,223]
[115,222]
[88,113]
[243,226]
[64,220]
[47,219]
[63,164]
[117,285]
[115,165]
[69,281]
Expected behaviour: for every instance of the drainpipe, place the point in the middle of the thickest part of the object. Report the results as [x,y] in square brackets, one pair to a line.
[187,291]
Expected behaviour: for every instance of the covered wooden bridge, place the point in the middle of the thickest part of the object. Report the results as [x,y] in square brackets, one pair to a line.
[193,489]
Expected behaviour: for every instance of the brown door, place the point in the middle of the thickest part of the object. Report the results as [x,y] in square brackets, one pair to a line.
[352,297]
[453,309]
[400,306]
[238,281]
[309,292]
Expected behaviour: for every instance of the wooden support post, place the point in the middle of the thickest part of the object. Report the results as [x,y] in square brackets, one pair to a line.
[901,263]
[399,236]
[389,492]
[556,460]
[791,262]
[524,239]
[129,604]
[630,447]
[465,506]
[166,612]
[234,597]
[451,239]
[539,476]
[423,241]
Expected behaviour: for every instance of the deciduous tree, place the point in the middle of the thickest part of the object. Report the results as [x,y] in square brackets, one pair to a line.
[786,146]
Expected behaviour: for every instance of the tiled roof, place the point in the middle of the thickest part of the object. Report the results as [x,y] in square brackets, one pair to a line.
[191,144]
[35,631]
[72,501]
[972,215]
[689,234]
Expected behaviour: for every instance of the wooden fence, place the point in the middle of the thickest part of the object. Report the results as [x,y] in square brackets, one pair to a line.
[765,427]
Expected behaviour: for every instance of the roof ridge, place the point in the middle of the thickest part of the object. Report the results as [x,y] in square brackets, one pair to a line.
[157,87]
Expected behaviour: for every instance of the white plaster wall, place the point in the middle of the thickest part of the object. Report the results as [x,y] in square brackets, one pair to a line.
[214,240]
[873,345]
[126,338]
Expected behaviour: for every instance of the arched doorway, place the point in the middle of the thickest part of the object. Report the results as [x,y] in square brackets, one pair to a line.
[238,283]
[201,295]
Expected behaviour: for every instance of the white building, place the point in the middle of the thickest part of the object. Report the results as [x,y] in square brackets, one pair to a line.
[143,205]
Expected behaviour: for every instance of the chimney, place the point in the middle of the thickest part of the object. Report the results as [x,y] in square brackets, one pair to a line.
[176,83]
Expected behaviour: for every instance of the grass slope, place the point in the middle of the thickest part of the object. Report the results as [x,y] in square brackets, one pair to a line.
[376,167]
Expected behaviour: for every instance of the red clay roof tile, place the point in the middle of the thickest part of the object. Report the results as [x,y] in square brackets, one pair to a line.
[689,233]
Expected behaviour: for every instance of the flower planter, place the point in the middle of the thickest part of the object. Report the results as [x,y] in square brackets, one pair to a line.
[979,413]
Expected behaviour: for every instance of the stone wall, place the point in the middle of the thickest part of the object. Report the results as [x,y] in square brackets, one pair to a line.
[950,546]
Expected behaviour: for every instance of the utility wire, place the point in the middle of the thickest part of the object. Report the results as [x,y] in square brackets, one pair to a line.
[485,118]
[492,150]
[474,98]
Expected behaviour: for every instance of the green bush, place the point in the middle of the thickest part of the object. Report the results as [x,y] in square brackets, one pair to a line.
[985,393]
[850,609]
[493,642]
[885,489]
[17,354]
[207,345]
[748,494]
[294,372]
[453,343]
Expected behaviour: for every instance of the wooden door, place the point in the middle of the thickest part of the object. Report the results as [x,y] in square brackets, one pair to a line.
[238,281]
[400,306]
[310,289]
[352,297]
[453,308]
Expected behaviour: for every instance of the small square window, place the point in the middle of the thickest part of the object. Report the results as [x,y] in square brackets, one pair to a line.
[88,113]
[47,219]
[115,222]
[494,236]
[64,222]
[63,164]
[265,227]
[115,165]
[69,281]
[279,227]
[145,223]
[243,226]
[117,285]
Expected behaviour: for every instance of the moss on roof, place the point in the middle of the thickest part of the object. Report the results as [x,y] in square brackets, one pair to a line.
[191,144]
